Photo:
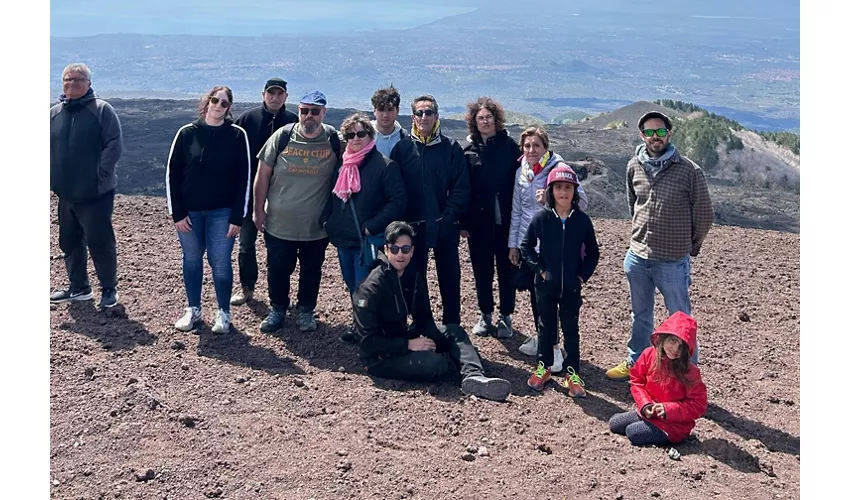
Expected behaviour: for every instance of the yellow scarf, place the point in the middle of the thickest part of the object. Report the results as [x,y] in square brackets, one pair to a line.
[430,137]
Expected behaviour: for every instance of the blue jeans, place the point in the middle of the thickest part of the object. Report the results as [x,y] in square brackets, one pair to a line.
[352,272]
[672,279]
[209,233]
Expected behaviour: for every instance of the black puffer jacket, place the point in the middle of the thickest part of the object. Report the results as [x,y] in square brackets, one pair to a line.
[381,200]
[381,307]
[492,169]
[437,187]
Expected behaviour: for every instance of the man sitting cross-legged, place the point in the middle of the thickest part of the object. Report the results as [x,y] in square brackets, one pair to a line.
[421,352]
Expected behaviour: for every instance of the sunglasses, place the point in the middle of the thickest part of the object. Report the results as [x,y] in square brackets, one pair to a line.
[426,112]
[312,111]
[224,102]
[74,80]
[660,132]
[350,135]
[405,249]
[484,119]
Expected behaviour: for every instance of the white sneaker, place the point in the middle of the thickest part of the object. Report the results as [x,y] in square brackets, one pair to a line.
[482,328]
[558,365]
[222,322]
[529,347]
[186,323]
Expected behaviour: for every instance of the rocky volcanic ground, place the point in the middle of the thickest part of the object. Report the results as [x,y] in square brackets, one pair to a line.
[140,410]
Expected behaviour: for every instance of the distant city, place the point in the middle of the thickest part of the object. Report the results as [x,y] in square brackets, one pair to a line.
[742,62]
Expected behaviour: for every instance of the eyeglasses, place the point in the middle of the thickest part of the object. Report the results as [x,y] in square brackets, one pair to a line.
[312,111]
[426,112]
[660,132]
[224,102]
[405,249]
[485,118]
[350,135]
[71,79]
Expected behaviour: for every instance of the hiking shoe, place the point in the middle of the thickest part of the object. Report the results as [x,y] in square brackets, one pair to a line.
[307,321]
[574,384]
[503,328]
[494,389]
[242,296]
[69,295]
[273,321]
[109,298]
[349,337]
[558,365]
[619,372]
[222,322]
[186,323]
[540,376]
[529,347]
[482,328]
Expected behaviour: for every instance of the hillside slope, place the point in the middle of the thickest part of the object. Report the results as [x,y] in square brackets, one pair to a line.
[294,416]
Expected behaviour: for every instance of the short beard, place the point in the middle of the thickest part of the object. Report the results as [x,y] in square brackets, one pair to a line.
[310,127]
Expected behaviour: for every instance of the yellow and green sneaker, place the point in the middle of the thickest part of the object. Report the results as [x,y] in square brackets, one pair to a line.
[619,372]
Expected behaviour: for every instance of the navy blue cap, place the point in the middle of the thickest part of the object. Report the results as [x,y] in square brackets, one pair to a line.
[315,98]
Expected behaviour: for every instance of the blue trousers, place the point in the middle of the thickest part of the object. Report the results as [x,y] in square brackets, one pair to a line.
[672,279]
[208,234]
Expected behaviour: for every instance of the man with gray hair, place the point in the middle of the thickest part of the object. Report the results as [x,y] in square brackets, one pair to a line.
[85,145]
[438,193]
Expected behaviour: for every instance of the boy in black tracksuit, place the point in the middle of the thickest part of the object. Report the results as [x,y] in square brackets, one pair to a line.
[560,273]
[422,352]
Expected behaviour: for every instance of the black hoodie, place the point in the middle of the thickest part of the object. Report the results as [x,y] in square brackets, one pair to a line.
[381,307]
[208,169]
[85,145]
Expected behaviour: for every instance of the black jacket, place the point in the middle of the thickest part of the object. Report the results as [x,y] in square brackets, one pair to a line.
[560,251]
[437,185]
[381,200]
[260,123]
[492,171]
[85,145]
[208,169]
[381,307]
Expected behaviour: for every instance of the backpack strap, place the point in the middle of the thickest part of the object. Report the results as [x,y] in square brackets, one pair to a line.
[284,138]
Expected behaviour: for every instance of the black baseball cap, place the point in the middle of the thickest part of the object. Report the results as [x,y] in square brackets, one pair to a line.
[655,114]
[275,82]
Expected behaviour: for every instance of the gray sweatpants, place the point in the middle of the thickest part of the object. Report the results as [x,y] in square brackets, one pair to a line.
[639,431]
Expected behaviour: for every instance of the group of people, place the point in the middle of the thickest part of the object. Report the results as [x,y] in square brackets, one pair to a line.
[387,199]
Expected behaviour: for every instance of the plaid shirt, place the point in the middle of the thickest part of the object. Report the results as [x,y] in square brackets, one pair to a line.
[672,213]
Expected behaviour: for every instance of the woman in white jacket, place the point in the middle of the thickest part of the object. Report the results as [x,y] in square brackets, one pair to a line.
[529,186]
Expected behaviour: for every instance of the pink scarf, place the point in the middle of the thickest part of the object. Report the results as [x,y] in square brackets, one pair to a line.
[348,182]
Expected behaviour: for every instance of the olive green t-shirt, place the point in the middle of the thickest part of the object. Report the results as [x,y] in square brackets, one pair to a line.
[300,185]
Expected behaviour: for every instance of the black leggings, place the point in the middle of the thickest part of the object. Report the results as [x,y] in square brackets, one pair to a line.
[639,431]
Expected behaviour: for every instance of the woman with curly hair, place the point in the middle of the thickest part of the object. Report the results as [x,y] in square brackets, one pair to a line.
[493,159]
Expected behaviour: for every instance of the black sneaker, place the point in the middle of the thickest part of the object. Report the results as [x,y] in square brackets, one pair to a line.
[273,321]
[348,337]
[108,299]
[69,295]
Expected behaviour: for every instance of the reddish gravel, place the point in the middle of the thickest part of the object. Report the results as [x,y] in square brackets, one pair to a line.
[140,410]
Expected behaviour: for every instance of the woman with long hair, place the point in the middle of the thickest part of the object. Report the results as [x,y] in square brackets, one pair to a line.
[207,189]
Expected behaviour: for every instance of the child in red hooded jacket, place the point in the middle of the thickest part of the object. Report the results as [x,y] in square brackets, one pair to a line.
[667,387]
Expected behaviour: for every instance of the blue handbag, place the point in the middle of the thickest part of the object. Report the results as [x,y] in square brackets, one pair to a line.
[369,245]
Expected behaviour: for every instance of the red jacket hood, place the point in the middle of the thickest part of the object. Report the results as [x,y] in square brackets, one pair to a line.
[680,325]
